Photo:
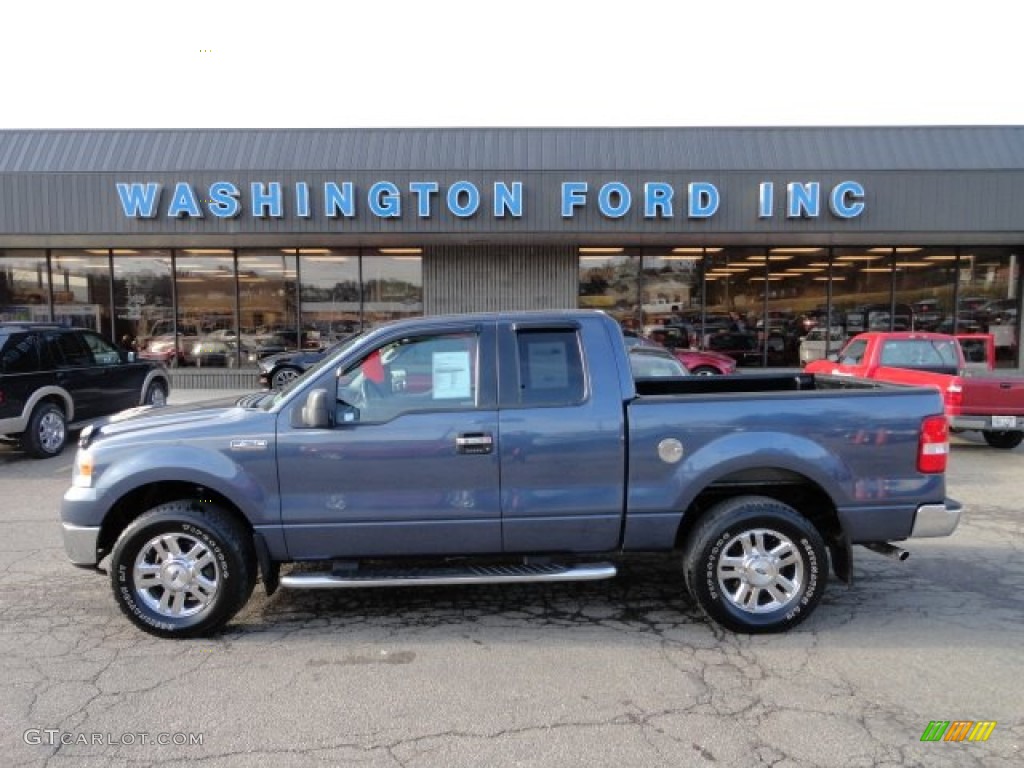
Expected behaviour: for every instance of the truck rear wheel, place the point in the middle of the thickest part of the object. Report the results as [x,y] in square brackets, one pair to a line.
[183,569]
[754,565]
[1006,440]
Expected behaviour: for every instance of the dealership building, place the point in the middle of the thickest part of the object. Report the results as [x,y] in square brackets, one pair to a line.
[306,235]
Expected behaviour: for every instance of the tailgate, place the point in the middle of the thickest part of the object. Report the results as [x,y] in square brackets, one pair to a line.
[992,394]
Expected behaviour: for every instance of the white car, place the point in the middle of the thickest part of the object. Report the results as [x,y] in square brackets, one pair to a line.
[813,345]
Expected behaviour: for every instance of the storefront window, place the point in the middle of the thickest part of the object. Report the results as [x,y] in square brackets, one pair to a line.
[862,280]
[24,286]
[797,302]
[609,280]
[989,279]
[268,303]
[331,304]
[205,282]
[392,284]
[736,281]
[143,302]
[81,289]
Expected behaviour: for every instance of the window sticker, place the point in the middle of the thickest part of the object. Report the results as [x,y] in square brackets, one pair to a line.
[549,368]
[451,374]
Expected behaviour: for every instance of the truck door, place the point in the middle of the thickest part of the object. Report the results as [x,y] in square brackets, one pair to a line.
[407,465]
[561,440]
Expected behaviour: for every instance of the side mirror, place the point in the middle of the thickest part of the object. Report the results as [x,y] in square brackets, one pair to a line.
[314,413]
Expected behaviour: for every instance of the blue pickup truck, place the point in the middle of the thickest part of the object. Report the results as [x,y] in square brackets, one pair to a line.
[506,448]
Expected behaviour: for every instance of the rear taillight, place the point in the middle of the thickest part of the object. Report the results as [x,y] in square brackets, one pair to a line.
[933,446]
[954,399]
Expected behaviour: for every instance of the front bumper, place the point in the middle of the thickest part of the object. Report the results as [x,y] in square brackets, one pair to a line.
[934,520]
[80,543]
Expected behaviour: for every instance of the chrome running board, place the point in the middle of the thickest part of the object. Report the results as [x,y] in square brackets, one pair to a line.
[432,577]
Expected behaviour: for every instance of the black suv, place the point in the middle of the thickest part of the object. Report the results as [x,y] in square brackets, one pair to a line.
[53,379]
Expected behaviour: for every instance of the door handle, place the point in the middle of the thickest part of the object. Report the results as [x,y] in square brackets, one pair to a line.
[474,442]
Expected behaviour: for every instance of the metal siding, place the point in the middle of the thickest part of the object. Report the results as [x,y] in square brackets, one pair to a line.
[498,278]
[567,149]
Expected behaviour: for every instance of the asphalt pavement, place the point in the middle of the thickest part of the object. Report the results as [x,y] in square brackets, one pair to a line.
[620,673]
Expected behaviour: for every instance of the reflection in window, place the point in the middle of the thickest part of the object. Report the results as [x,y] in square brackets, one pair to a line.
[205,281]
[331,304]
[988,300]
[81,289]
[267,295]
[143,301]
[609,280]
[24,286]
[392,284]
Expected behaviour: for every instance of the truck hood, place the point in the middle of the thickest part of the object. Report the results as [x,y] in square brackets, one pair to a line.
[147,417]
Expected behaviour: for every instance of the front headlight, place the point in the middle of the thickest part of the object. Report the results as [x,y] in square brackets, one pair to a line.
[81,475]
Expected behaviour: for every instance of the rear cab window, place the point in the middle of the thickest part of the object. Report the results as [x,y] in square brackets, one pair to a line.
[549,367]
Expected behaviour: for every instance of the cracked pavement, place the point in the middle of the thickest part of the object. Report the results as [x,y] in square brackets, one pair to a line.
[617,673]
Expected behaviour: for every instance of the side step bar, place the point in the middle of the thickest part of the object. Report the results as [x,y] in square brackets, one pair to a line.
[432,577]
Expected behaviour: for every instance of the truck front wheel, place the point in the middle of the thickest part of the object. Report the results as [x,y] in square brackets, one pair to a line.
[754,565]
[1005,440]
[183,569]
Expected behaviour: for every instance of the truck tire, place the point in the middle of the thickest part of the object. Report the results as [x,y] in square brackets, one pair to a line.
[183,569]
[754,565]
[1007,440]
[47,432]
[156,394]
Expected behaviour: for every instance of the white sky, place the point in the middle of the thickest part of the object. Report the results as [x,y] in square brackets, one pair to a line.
[403,63]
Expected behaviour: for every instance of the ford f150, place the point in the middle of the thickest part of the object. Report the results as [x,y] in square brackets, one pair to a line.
[504,448]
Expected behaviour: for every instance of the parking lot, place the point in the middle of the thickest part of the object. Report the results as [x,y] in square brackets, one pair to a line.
[617,673]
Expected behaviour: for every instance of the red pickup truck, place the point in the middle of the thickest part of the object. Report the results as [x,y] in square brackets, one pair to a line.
[976,395]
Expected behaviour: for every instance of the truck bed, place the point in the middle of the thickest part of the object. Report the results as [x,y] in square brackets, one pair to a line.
[750,383]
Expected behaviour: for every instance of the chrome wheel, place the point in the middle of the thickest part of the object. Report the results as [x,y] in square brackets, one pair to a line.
[284,376]
[176,575]
[760,571]
[51,432]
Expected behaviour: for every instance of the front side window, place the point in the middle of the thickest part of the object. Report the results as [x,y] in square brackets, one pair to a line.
[412,374]
[103,352]
[853,353]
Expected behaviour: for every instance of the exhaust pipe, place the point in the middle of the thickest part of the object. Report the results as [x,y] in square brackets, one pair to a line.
[889,550]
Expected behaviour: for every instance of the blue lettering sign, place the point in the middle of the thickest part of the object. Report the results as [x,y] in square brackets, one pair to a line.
[574,194]
[184,202]
[847,199]
[614,199]
[224,200]
[658,200]
[302,200]
[139,199]
[803,200]
[339,201]
[456,191]
[266,201]
[703,199]
[508,199]
[765,200]
[384,200]
[423,190]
